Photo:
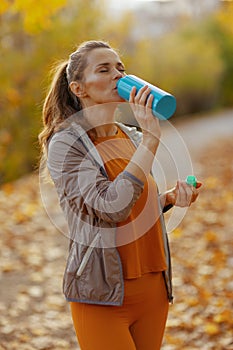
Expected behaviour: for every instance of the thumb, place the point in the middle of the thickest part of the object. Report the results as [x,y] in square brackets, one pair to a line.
[199,184]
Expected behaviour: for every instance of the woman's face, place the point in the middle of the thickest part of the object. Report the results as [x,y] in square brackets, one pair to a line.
[104,68]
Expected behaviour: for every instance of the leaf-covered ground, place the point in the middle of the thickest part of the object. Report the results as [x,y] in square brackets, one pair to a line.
[34,314]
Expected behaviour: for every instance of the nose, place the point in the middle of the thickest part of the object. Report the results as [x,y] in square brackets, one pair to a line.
[117,74]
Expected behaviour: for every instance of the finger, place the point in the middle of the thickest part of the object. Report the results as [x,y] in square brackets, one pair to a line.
[150,101]
[195,192]
[180,194]
[185,194]
[189,192]
[142,95]
[132,94]
[140,92]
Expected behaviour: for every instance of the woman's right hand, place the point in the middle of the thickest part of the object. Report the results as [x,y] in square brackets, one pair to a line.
[141,104]
[141,163]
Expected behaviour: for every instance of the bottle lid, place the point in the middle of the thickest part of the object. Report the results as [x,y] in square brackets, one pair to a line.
[191,180]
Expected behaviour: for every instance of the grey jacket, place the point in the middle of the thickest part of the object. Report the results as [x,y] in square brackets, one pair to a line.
[93,205]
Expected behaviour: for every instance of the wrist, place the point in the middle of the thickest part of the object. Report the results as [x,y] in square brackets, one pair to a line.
[166,201]
[151,143]
[170,198]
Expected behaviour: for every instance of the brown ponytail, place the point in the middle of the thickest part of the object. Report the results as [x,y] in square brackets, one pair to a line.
[59,104]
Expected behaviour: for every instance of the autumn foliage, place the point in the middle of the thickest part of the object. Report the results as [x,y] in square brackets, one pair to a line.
[194,63]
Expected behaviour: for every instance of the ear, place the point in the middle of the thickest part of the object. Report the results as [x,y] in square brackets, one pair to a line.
[78,89]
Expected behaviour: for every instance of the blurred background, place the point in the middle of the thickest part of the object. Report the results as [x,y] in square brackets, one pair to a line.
[183,46]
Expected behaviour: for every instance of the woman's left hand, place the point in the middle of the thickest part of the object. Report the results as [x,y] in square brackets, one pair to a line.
[182,195]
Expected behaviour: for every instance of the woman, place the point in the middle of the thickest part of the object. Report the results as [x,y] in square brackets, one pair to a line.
[118,275]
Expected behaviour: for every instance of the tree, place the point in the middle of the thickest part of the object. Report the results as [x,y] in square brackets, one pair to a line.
[221,28]
[36,15]
[28,50]
[186,63]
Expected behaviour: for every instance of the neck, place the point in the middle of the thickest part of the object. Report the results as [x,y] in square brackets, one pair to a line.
[102,119]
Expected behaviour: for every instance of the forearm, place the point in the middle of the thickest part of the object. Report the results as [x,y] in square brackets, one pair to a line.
[141,163]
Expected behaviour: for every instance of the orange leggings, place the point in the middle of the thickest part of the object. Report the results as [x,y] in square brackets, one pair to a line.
[136,325]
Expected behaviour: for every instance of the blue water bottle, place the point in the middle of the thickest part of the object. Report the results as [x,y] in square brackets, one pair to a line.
[163,105]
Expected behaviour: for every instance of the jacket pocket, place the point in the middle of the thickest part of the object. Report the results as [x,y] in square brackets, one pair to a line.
[87,256]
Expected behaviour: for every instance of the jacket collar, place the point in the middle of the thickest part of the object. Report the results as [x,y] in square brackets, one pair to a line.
[80,131]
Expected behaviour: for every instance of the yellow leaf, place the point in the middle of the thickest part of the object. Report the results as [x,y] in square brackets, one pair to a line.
[20,217]
[210,236]
[224,316]
[5,137]
[212,328]
[192,301]
[177,233]
[39,331]
[4,6]
[212,182]
[37,14]
[13,97]
[8,188]
[24,338]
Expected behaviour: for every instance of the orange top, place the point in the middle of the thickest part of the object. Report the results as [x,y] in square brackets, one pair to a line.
[139,238]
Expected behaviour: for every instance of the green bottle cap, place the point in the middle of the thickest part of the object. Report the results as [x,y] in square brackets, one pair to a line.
[191,180]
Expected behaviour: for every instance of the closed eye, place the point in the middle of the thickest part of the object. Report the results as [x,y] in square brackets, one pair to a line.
[106,66]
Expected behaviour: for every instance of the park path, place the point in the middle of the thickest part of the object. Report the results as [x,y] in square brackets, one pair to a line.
[34,314]
[184,139]
[200,131]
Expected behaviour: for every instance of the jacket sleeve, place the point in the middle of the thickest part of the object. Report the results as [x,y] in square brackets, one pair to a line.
[83,184]
[167,207]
